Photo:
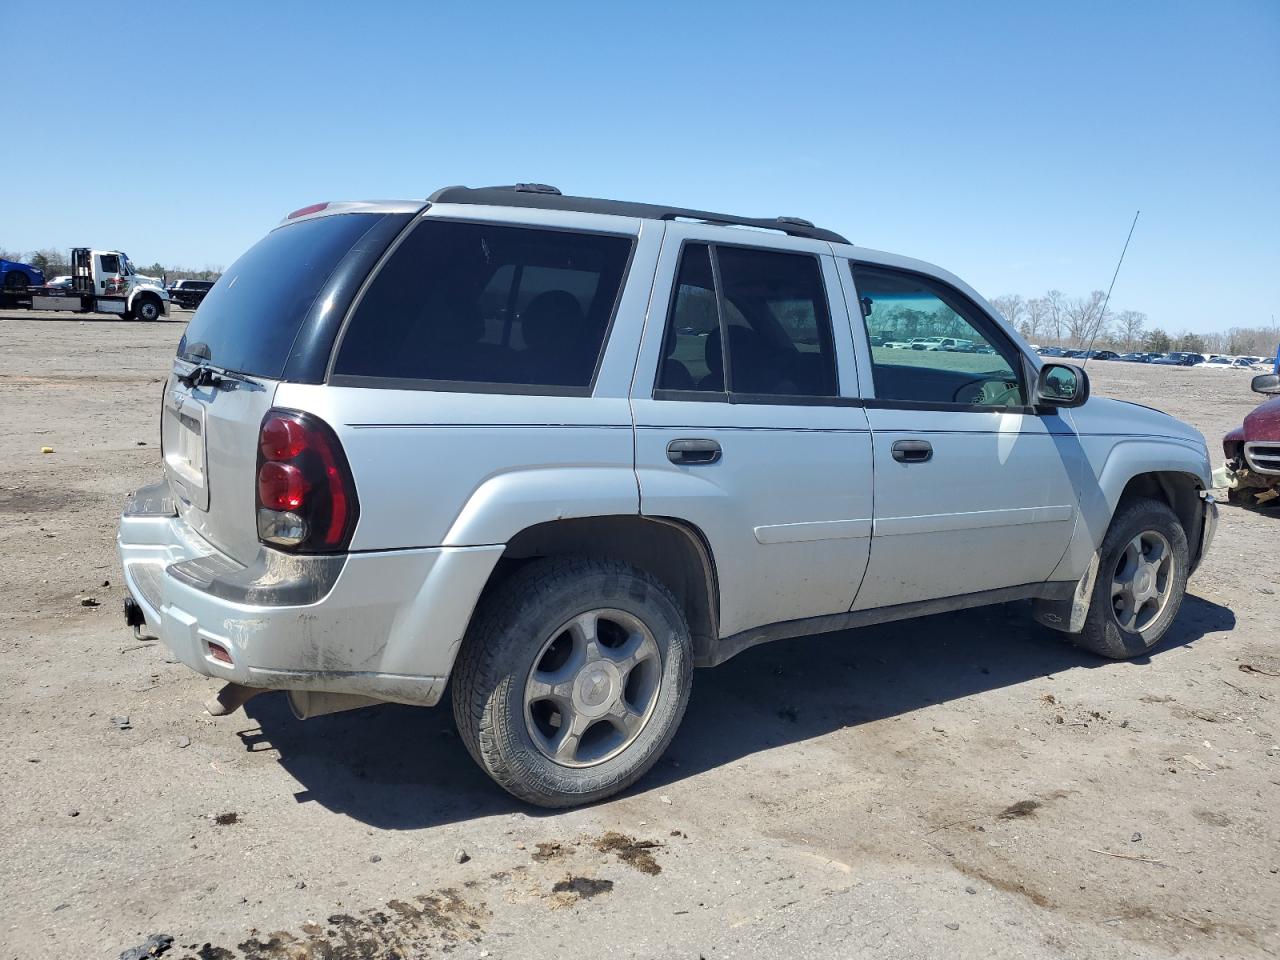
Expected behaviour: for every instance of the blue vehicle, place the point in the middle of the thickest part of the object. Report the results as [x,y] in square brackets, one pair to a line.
[19,276]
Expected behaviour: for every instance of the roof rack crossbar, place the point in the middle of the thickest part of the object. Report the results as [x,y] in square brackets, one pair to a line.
[545,197]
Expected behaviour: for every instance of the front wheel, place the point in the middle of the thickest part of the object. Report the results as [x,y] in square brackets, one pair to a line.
[147,309]
[1142,578]
[572,680]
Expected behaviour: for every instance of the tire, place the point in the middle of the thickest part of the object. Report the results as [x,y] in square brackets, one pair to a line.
[17,280]
[146,309]
[528,628]
[1152,521]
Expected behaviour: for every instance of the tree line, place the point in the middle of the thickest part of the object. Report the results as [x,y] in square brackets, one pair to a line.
[57,263]
[1079,322]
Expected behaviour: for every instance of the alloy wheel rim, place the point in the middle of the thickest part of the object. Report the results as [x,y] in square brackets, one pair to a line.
[592,687]
[1142,581]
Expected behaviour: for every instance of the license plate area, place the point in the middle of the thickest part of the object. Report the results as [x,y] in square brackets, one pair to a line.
[183,430]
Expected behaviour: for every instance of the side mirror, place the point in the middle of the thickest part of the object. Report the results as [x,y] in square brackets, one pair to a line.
[1061,385]
[1267,383]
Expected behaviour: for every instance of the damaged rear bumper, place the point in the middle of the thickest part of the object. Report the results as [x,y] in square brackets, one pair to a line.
[350,624]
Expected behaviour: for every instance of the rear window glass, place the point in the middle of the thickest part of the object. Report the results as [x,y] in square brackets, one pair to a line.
[251,316]
[473,303]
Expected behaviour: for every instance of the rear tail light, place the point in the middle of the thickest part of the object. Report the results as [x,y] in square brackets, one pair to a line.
[306,497]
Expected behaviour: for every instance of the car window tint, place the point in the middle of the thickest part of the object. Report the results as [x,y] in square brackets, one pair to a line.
[690,324]
[780,342]
[110,263]
[775,313]
[929,344]
[481,303]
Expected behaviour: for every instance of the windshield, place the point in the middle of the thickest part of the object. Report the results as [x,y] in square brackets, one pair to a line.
[249,319]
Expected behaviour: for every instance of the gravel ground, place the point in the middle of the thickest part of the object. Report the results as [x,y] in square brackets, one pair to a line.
[959,785]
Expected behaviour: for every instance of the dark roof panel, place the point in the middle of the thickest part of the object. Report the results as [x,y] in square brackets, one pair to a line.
[543,197]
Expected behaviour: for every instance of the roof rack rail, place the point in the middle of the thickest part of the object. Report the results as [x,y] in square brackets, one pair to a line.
[542,196]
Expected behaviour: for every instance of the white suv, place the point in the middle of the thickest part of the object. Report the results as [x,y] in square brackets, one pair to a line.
[563,450]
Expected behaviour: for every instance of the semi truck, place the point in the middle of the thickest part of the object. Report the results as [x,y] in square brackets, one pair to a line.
[102,281]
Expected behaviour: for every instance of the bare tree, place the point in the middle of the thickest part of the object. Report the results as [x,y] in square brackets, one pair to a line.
[1011,306]
[1036,319]
[1130,326]
[1057,311]
[1084,318]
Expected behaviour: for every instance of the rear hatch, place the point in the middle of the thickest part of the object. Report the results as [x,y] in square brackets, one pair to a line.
[240,344]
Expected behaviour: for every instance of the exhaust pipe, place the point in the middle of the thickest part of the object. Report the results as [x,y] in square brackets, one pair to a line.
[230,698]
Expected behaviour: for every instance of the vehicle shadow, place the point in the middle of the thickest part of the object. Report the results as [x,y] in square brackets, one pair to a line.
[398,768]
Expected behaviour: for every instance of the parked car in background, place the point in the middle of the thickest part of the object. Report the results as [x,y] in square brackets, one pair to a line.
[1217,363]
[948,344]
[1101,355]
[188,294]
[1073,354]
[1178,359]
[466,444]
[61,283]
[1253,449]
[1135,357]
[19,276]
[1049,351]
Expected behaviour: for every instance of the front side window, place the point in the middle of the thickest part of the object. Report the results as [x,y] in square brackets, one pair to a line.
[766,323]
[929,344]
[110,263]
[471,303]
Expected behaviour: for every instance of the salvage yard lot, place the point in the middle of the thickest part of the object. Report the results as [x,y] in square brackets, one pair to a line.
[957,785]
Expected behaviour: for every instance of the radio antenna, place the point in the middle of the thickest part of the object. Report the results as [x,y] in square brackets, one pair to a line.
[1106,300]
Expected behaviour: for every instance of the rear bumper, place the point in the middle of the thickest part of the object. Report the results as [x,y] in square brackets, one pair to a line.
[379,624]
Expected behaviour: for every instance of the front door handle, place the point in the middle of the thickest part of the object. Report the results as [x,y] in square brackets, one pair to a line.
[912,451]
[687,452]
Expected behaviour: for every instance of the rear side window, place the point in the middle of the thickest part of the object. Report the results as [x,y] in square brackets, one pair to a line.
[771,311]
[463,304]
[249,319]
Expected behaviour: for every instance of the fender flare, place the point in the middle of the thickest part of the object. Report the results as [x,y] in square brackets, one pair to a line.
[507,503]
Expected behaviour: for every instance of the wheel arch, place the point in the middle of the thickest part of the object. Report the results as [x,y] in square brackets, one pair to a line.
[144,294]
[674,552]
[1181,491]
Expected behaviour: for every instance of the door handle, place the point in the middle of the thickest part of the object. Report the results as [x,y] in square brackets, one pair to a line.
[693,451]
[912,451]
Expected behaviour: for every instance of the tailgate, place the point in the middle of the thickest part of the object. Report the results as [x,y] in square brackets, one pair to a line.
[210,438]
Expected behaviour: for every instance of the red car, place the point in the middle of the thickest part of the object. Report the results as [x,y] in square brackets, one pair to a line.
[1253,449]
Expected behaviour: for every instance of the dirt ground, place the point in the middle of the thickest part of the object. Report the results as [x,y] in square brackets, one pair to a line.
[962,785]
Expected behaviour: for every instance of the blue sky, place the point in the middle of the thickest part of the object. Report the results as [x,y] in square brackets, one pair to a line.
[1009,142]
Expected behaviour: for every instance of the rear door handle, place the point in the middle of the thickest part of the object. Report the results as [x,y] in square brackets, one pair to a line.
[687,452]
[912,451]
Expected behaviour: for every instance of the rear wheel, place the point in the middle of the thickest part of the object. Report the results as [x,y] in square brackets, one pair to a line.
[1142,578]
[573,680]
[17,280]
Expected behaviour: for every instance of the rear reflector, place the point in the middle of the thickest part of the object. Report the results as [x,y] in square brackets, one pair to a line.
[219,652]
[303,211]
